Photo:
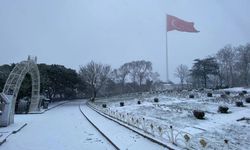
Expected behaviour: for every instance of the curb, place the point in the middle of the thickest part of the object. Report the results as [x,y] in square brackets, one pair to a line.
[130,128]
[116,147]
[13,132]
[33,113]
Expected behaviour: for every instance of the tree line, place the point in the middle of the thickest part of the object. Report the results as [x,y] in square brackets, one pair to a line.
[135,76]
[57,81]
[229,67]
[92,80]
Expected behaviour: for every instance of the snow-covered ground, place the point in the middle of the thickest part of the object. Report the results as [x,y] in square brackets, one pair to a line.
[121,136]
[237,89]
[62,128]
[177,112]
[65,128]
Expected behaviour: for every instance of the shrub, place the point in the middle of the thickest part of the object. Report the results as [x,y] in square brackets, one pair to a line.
[156,100]
[104,105]
[223,96]
[191,96]
[248,100]
[239,104]
[209,95]
[223,109]
[138,102]
[244,92]
[241,94]
[199,114]
[201,89]
[45,105]
[121,104]
[92,99]
[227,93]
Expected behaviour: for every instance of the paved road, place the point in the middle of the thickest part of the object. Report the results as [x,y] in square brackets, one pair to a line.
[62,128]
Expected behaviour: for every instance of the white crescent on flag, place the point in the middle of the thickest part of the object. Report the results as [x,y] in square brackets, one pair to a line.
[174,23]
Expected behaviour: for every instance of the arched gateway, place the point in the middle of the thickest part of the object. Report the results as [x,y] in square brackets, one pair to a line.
[12,86]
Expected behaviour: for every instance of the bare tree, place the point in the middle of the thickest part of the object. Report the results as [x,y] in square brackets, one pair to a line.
[95,75]
[226,60]
[140,71]
[133,71]
[135,76]
[123,72]
[155,79]
[182,73]
[243,64]
[144,71]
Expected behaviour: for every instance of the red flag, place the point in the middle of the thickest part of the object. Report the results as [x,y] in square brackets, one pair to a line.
[174,23]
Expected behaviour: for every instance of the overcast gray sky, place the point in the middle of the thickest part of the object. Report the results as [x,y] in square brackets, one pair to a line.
[74,32]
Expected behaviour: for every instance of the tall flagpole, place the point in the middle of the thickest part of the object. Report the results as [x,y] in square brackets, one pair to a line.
[167,74]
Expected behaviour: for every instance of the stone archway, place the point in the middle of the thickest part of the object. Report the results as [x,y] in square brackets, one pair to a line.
[13,84]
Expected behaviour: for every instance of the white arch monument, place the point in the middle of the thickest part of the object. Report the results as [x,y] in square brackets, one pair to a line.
[12,86]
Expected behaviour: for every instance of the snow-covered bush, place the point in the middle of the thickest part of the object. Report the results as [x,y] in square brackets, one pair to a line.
[248,100]
[244,92]
[241,94]
[209,95]
[227,92]
[156,100]
[199,114]
[223,109]
[191,96]
[121,104]
[239,104]
[92,99]
[223,96]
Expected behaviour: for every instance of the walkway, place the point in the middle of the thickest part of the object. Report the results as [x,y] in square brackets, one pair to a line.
[62,128]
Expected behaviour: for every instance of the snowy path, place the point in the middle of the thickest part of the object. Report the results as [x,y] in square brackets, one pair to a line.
[62,128]
[121,136]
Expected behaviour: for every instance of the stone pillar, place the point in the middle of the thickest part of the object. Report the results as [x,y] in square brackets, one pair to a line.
[7,117]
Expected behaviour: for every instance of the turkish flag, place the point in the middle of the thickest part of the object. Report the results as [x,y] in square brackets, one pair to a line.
[174,23]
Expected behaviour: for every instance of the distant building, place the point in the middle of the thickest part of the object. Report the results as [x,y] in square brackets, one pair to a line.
[168,85]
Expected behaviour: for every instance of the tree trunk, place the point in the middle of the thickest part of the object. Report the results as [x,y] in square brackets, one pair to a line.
[182,84]
[231,76]
[93,94]
[123,85]
[205,81]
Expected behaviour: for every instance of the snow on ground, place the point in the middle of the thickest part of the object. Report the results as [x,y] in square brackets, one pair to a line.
[216,127]
[65,128]
[237,89]
[62,128]
[121,136]
[5,132]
